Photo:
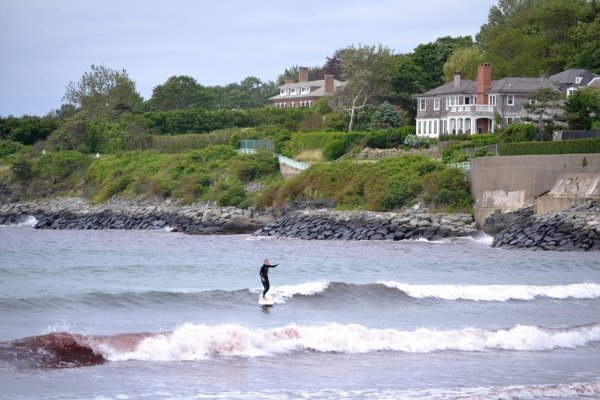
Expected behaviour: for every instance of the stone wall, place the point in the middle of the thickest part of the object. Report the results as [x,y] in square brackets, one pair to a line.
[365,225]
[575,229]
[76,213]
[511,182]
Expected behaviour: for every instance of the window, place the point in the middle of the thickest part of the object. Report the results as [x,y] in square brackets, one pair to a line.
[509,120]
[436,104]
[293,91]
[570,91]
[450,102]
[492,100]
[578,79]
[305,90]
[532,101]
[510,100]
[422,105]
[467,100]
[419,129]
[282,92]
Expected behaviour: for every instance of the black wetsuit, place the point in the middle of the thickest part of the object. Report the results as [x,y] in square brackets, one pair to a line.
[264,274]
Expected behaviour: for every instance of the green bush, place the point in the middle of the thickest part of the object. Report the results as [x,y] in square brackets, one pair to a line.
[385,185]
[579,146]
[518,133]
[9,147]
[335,149]
[249,167]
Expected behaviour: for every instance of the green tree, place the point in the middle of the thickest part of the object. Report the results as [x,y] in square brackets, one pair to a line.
[408,79]
[529,37]
[385,116]
[431,57]
[179,92]
[542,107]
[464,60]
[103,93]
[582,108]
[367,71]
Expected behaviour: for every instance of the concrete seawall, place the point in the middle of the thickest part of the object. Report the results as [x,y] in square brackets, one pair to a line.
[511,182]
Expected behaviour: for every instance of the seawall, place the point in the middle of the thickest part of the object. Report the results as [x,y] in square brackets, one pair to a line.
[366,225]
[577,228]
[76,213]
[508,183]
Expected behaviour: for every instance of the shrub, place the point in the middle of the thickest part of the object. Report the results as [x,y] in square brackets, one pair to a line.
[447,187]
[335,149]
[581,146]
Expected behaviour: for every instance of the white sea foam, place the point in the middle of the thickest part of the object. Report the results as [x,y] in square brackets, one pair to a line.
[279,294]
[197,342]
[497,292]
[30,221]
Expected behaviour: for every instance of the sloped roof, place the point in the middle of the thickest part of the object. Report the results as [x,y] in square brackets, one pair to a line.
[520,85]
[317,89]
[595,83]
[568,77]
[466,87]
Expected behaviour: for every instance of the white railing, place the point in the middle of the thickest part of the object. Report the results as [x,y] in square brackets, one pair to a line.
[472,108]
[464,166]
[246,151]
[293,163]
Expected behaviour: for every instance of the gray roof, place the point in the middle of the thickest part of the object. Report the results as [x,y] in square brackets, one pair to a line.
[595,83]
[317,89]
[520,85]
[466,86]
[567,78]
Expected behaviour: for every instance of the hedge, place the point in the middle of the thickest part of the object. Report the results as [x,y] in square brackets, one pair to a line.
[579,146]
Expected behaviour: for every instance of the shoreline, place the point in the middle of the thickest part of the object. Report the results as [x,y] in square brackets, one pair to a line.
[576,229]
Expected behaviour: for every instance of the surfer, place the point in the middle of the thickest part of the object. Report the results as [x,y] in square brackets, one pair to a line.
[264,276]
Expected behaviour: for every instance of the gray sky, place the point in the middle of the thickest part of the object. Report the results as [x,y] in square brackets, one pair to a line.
[45,44]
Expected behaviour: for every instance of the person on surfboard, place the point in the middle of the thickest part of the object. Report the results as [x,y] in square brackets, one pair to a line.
[264,276]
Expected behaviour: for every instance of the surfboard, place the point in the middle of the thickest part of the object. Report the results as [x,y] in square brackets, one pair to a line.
[268,302]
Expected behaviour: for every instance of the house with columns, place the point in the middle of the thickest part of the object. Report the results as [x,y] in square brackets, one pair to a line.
[465,106]
[304,93]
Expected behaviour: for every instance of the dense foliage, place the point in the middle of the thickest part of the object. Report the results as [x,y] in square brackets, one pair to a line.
[579,146]
[385,185]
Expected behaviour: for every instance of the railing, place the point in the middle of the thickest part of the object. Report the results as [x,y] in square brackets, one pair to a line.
[246,151]
[293,163]
[464,166]
[472,108]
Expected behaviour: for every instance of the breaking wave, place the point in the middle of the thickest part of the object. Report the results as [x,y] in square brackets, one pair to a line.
[201,342]
[497,292]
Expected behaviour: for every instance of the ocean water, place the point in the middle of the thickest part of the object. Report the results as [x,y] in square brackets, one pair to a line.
[162,315]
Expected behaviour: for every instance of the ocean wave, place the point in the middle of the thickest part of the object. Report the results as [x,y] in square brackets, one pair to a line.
[497,292]
[279,294]
[201,342]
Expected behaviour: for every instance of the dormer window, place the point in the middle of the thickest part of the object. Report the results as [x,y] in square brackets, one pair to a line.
[282,92]
[305,89]
[293,91]
[578,79]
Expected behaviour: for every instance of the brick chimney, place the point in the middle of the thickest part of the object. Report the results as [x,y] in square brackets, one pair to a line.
[329,86]
[457,78]
[302,74]
[288,80]
[484,82]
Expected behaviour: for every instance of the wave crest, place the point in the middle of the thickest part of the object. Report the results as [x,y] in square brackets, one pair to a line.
[497,292]
[198,342]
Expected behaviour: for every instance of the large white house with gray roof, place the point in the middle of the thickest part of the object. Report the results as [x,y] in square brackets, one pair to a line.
[466,106]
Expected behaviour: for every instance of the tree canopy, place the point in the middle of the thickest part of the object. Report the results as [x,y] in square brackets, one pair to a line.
[103,93]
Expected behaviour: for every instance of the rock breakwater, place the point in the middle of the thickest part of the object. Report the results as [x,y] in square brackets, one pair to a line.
[576,229]
[77,213]
[366,225]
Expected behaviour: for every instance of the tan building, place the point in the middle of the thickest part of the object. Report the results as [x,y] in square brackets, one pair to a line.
[304,93]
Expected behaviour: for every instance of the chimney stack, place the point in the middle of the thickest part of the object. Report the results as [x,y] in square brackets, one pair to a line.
[302,74]
[288,80]
[484,82]
[457,79]
[329,84]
